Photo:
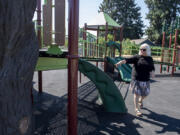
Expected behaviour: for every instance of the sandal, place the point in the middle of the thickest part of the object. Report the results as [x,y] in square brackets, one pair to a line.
[138,113]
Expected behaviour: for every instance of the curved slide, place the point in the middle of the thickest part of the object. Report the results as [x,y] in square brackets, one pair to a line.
[109,93]
[124,70]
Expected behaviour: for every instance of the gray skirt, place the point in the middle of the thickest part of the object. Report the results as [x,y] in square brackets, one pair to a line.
[140,88]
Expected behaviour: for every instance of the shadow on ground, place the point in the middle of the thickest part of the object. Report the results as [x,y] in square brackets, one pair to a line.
[167,123]
[51,116]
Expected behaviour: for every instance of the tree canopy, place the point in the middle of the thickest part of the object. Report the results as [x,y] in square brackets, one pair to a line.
[125,12]
[159,12]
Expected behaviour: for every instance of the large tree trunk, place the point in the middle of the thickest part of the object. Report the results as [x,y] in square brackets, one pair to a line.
[18,56]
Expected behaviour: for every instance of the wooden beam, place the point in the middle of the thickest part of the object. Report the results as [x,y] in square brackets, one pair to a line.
[60,22]
[47,23]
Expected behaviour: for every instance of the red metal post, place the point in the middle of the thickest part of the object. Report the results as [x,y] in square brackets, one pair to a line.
[40,81]
[169,58]
[96,63]
[114,38]
[39,41]
[73,28]
[97,42]
[85,39]
[121,39]
[93,49]
[80,77]
[174,52]
[106,34]
[162,51]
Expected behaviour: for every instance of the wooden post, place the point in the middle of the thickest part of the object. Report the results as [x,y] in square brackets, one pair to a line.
[39,41]
[73,26]
[60,22]
[47,23]
[162,51]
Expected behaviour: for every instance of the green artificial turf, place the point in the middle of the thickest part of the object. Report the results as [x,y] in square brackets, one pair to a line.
[47,63]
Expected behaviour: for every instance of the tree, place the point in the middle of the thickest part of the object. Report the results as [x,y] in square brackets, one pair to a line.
[159,11]
[125,12]
[18,56]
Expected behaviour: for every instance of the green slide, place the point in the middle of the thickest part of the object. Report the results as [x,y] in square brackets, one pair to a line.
[109,93]
[114,44]
[124,70]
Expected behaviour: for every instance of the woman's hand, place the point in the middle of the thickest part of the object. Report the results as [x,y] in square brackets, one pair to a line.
[120,63]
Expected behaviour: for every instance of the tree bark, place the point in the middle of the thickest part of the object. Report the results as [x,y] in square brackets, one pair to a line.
[18,57]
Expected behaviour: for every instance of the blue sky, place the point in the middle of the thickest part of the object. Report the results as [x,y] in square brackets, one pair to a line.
[89,9]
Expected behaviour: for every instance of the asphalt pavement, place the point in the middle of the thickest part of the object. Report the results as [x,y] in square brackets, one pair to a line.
[161,111]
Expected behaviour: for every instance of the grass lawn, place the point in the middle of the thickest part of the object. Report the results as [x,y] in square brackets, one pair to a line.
[48,63]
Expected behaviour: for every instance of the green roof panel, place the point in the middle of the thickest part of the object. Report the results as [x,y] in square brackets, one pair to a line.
[110,21]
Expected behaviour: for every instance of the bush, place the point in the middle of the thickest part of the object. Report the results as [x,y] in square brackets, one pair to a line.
[129,48]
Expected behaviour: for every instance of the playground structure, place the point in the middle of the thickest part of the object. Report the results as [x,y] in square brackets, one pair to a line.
[108,91]
[89,50]
[73,53]
[96,50]
[170,54]
[45,39]
[52,23]
[73,62]
[107,24]
[92,50]
[114,97]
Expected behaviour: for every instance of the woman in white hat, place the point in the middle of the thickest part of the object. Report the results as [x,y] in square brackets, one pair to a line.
[143,68]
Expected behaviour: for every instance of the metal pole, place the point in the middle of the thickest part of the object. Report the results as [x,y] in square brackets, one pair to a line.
[162,55]
[121,39]
[85,38]
[39,41]
[174,52]
[106,35]
[169,58]
[73,28]
[114,38]
[97,42]
[80,77]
